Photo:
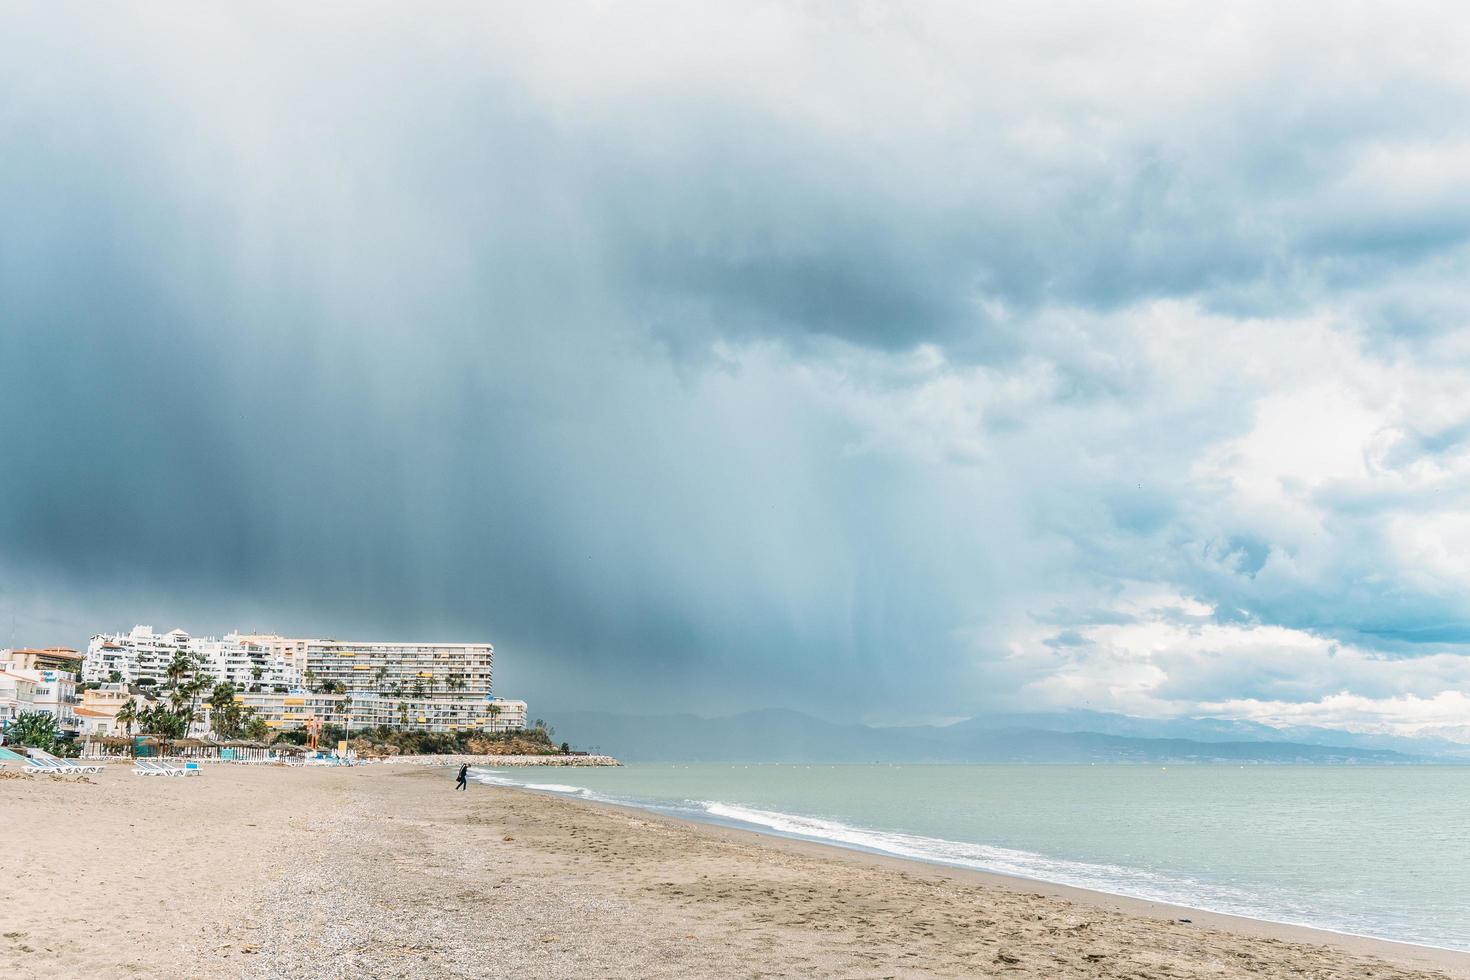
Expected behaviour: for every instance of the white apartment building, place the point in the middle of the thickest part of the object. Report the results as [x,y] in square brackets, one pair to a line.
[441,687]
[448,670]
[55,695]
[131,657]
[247,664]
[358,711]
[134,656]
[53,683]
[17,697]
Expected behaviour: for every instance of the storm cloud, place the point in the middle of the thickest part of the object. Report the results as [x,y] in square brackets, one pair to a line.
[847,359]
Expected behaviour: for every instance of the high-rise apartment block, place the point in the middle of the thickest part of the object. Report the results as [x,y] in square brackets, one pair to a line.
[434,686]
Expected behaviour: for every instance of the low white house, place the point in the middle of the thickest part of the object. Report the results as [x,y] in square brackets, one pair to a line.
[90,721]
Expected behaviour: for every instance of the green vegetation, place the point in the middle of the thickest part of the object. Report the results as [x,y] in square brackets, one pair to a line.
[127,715]
[392,741]
[38,730]
[227,716]
[167,714]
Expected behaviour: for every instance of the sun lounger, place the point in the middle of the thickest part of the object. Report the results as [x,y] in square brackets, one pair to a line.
[151,767]
[79,767]
[43,761]
[39,765]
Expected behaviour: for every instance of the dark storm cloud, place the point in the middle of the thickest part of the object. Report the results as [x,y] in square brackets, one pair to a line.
[798,372]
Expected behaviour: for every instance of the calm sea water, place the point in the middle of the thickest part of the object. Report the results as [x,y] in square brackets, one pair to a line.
[1375,851]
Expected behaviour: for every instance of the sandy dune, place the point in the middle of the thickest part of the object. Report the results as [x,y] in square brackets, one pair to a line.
[387,872]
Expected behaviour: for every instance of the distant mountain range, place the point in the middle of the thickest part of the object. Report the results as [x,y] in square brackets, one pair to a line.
[777,735]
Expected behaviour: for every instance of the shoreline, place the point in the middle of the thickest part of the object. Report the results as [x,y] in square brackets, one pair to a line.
[389,871]
[1454,962]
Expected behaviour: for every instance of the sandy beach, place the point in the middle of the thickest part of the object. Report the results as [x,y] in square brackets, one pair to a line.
[387,872]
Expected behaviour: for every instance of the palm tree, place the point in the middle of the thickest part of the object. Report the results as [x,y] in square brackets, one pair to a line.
[180,665]
[127,714]
[224,716]
[494,710]
[195,689]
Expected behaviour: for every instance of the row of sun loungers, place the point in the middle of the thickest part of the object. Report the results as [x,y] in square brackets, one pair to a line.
[44,762]
[151,767]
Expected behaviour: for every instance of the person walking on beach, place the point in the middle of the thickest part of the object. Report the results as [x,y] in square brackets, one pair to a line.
[464,776]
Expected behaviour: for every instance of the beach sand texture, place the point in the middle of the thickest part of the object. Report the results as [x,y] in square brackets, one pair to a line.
[387,872]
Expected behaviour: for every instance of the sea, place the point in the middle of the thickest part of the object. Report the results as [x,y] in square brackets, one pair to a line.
[1365,850]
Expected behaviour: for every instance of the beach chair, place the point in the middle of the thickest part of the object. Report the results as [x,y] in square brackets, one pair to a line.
[152,767]
[38,765]
[64,767]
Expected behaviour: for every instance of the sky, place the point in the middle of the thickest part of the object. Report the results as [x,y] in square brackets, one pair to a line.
[883,361]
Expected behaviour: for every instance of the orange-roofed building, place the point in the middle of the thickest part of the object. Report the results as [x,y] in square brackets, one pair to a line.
[51,658]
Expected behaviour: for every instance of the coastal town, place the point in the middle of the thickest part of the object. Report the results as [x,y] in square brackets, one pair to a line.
[237,695]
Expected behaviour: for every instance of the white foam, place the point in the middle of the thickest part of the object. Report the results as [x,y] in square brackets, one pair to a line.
[494,777]
[1114,879]
[982,857]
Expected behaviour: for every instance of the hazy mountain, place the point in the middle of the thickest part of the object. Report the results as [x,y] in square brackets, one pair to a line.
[789,736]
[1217,730]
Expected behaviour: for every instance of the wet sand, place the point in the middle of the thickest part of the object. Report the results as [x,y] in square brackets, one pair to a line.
[388,872]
